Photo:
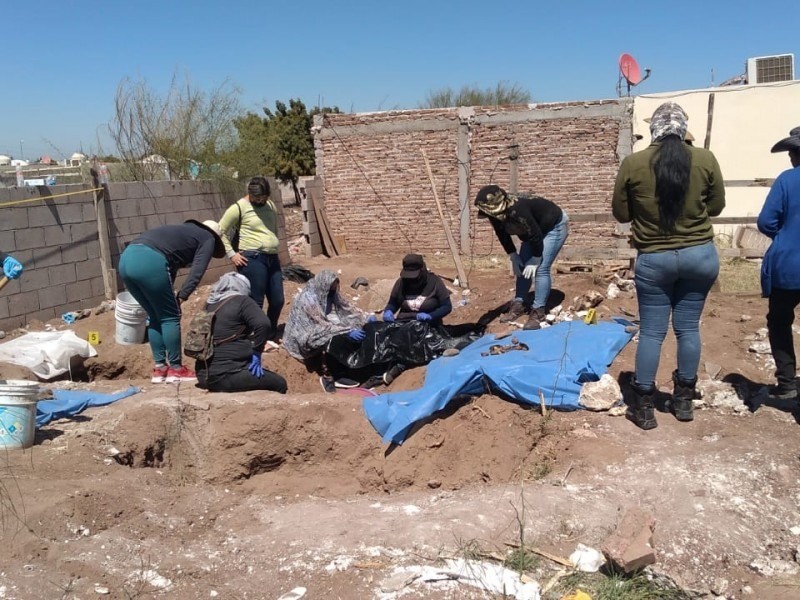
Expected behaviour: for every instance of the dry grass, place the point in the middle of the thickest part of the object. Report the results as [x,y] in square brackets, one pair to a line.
[739,276]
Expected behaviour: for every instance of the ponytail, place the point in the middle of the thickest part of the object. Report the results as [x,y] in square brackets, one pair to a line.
[672,164]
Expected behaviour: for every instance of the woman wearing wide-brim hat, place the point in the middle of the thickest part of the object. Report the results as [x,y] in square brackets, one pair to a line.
[780,270]
[148,267]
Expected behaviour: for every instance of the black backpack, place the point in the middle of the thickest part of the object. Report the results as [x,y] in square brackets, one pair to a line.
[199,342]
[235,238]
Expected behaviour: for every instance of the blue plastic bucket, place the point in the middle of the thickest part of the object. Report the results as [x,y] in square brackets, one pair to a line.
[18,399]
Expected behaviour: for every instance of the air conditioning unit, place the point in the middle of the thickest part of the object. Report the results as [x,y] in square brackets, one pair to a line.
[769,69]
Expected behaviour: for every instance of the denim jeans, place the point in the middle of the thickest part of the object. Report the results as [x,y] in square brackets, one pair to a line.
[782,304]
[677,282]
[266,281]
[552,243]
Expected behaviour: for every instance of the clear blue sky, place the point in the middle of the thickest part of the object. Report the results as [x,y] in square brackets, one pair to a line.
[64,59]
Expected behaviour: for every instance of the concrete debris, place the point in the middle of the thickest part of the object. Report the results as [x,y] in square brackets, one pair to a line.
[587,300]
[630,547]
[105,306]
[795,530]
[612,292]
[745,318]
[719,586]
[600,395]
[2,334]
[718,394]
[625,285]
[760,348]
[769,567]
[587,559]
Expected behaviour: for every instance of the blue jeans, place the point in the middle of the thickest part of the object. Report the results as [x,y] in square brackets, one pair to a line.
[677,282]
[552,243]
[266,281]
[146,275]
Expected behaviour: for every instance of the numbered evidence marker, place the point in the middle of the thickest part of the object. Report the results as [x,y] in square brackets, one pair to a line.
[591,317]
[93,337]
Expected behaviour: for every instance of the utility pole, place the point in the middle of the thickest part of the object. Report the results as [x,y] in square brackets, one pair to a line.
[21,153]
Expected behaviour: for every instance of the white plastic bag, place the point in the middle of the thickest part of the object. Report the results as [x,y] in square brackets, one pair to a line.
[46,353]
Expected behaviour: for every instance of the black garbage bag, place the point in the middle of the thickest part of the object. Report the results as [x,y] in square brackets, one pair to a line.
[296,273]
[411,343]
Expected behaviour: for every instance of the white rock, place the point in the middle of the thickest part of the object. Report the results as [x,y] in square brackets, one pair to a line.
[745,318]
[587,559]
[101,589]
[795,530]
[612,291]
[760,347]
[600,395]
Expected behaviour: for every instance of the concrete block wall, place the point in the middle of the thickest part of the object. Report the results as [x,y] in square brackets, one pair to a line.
[378,193]
[58,243]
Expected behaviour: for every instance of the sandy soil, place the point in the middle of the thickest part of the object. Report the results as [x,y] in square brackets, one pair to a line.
[185,494]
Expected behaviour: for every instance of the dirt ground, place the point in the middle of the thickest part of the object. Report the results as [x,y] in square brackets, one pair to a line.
[179,493]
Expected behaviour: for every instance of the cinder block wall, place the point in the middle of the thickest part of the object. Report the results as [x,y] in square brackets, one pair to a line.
[378,193]
[58,243]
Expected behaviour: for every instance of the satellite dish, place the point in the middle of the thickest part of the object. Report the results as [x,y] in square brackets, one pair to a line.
[629,71]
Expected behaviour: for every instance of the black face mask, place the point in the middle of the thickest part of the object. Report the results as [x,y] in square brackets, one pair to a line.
[416,284]
[258,201]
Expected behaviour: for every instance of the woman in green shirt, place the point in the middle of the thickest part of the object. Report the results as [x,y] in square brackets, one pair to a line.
[667,192]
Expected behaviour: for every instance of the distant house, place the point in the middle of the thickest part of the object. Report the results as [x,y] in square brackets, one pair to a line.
[5,160]
[77,159]
[46,160]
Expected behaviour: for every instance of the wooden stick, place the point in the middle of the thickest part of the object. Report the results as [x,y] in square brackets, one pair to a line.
[462,276]
[542,403]
[3,282]
[707,142]
[556,559]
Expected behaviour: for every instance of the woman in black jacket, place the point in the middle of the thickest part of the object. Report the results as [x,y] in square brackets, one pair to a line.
[542,227]
[240,331]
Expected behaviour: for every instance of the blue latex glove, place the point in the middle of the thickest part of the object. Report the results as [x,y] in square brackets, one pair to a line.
[388,316]
[12,268]
[423,317]
[357,335]
[255,368]
[372,319]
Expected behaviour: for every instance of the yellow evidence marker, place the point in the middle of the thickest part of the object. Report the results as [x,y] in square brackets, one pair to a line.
[591,317]
[93,337]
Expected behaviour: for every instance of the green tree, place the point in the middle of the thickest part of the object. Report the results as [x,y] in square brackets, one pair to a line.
[470,95]
[279,144]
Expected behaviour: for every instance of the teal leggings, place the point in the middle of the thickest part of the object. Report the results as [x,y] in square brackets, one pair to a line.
[146,276]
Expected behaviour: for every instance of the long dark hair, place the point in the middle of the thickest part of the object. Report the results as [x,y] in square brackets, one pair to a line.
[672,164]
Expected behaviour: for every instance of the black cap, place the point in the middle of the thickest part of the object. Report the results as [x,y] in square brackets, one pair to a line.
[412,266]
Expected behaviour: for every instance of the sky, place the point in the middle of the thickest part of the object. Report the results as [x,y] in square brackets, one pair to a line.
[63,60]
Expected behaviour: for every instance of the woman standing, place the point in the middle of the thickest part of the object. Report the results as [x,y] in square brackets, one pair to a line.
[254,218]
[148,267]
[542,227]
[667,192]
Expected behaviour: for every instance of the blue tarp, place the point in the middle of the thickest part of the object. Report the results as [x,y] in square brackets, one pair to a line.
[559,360]
[66,403]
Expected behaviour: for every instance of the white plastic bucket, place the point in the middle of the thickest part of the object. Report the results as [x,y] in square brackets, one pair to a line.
[18,399]
[131,320]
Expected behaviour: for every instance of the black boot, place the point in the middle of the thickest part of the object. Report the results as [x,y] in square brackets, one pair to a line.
[641,409]
[682,405]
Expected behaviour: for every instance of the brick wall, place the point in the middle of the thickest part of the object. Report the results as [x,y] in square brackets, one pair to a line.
[58,243]
[378,193]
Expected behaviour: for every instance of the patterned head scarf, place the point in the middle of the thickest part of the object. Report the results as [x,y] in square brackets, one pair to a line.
[309,327]
[230,284]
[668,119]
[493,201]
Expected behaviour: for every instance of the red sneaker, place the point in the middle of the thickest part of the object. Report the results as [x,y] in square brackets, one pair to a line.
[159,374]
[180,374]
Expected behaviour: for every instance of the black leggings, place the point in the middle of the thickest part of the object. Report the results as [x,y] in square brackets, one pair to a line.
[244,381]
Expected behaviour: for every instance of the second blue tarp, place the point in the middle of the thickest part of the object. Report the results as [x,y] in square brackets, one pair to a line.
[66,403]
[559,360]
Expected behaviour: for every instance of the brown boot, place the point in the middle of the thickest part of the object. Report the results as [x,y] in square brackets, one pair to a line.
[682,405]
[515,311]
[538,316]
